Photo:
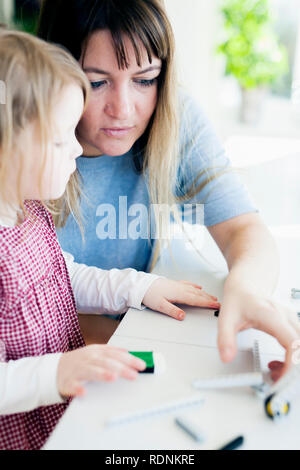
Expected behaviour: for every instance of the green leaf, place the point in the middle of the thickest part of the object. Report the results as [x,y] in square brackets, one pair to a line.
[251,48]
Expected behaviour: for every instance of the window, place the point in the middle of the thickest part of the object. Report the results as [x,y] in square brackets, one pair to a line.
[287,26]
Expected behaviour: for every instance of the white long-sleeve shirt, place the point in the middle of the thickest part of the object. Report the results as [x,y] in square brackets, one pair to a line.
[95,291]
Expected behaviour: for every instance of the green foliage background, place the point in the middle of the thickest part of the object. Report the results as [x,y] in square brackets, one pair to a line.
[252,50]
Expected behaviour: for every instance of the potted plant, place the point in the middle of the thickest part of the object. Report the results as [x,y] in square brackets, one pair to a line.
[252,51]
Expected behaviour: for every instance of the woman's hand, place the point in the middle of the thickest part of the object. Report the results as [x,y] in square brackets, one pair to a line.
[242,310]
[163,293]
[95,363]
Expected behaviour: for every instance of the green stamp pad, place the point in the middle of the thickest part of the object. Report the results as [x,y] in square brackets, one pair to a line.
[148,358]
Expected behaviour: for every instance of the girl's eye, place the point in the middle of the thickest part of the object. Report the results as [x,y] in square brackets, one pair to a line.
[59,144]
[96,85]
[145,83]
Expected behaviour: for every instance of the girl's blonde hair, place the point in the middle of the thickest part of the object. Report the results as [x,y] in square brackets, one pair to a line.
[34,74]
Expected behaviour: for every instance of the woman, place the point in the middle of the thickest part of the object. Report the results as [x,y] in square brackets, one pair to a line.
[164,151]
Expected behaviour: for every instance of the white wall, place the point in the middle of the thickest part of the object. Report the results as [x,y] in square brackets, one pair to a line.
[196,28]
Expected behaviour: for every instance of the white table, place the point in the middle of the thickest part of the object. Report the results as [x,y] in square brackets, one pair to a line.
[190,352]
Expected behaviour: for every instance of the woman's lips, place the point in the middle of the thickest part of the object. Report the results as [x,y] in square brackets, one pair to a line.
[117,132]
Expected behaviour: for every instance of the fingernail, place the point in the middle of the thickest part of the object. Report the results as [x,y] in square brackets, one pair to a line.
[180,316]
[215,305]
[80,392]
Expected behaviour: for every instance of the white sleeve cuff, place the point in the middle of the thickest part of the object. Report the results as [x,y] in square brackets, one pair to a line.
[136,295]
[28,383]
[107,291]
[47,373]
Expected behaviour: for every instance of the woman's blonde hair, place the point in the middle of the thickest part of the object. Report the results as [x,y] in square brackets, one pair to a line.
[34,73]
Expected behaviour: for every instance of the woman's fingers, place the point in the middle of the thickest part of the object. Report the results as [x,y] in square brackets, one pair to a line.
[285,334]
[228,327]
[288,337]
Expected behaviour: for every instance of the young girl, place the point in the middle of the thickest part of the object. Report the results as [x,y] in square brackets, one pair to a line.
[43,360]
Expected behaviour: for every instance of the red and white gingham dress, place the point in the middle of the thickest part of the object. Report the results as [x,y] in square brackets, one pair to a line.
[37,315]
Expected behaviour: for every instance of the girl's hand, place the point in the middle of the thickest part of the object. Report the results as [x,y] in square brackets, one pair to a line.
[95,363]
[163,293]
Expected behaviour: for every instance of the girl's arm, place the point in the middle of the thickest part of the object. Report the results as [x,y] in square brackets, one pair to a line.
[114,291]
[52,376]
[26,384]
[107,292]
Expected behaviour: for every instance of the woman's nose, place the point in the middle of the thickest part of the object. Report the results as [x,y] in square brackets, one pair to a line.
[119,105]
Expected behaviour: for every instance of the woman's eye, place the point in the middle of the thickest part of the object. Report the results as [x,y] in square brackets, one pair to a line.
[59,144]
[96,85]
[145,83]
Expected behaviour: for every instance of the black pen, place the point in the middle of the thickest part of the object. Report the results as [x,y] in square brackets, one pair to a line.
[239,441]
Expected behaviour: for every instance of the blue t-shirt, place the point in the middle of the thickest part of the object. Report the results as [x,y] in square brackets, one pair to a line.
[115,205]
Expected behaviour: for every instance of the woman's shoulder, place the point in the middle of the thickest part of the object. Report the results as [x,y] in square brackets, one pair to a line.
[196,134]
[190,110]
